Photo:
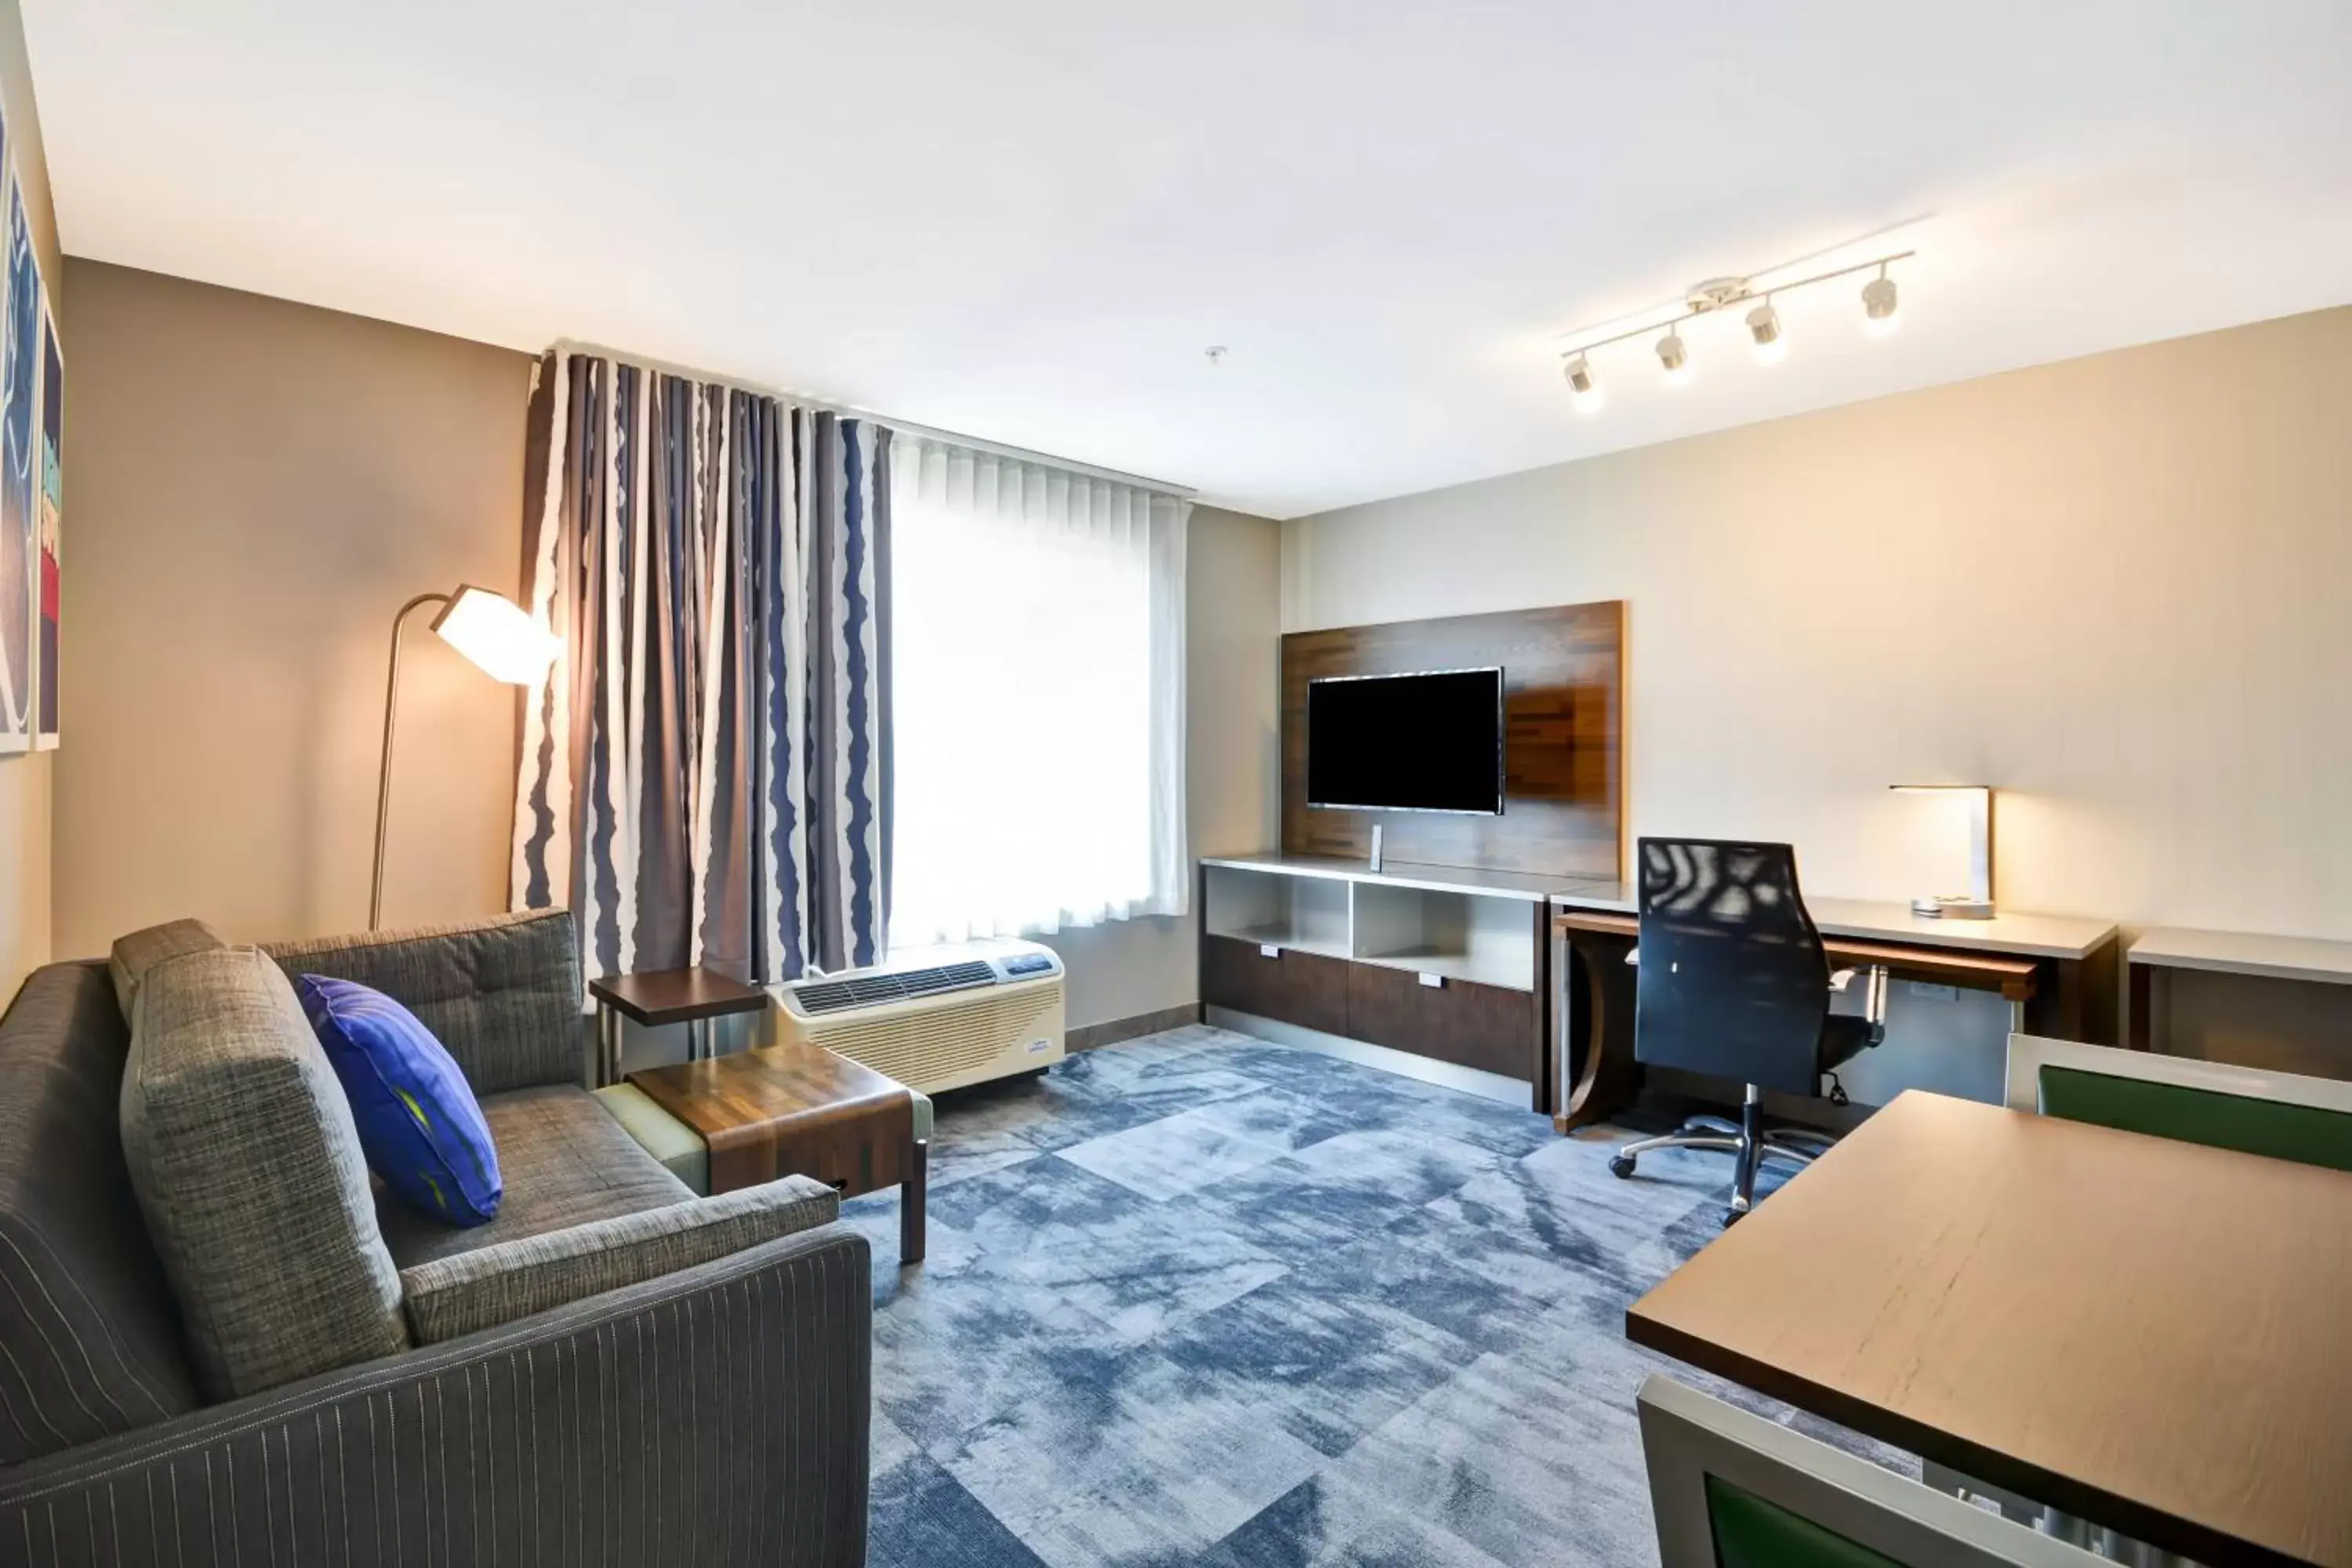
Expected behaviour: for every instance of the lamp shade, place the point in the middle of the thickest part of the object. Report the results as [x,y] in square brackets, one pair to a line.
[493,631]
[1977,902]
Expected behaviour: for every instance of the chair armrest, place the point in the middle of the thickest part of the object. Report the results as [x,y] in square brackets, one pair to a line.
[722,1411]
[503,993]
[1874,1002]
[471,1291]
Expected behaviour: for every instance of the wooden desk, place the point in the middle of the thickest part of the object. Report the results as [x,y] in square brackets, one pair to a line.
[2057,974]
[2148,1334]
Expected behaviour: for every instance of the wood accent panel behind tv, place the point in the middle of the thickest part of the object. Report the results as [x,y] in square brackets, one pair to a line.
[1563,706]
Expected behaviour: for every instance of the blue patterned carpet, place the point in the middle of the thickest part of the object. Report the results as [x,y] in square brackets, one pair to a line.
[1199,1298]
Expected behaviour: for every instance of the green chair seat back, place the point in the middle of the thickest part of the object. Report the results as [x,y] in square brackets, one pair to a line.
[2308,1134]
[1751,1533]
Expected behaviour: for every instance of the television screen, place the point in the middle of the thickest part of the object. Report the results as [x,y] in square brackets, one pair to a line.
[1430,741]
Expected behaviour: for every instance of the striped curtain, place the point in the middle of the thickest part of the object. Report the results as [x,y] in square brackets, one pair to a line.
[705,778]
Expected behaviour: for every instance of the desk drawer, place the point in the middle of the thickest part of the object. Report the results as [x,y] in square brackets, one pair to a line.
[1302,988]
[1483,1026]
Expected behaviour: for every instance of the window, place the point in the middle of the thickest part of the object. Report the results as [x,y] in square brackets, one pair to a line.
[1037,672]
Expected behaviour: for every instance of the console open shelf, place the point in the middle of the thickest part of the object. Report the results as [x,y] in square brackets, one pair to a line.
[1444,965]
[1460,935]
[1298,913]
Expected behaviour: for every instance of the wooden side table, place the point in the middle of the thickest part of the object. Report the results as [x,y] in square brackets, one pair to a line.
[658,998]
[801,1110]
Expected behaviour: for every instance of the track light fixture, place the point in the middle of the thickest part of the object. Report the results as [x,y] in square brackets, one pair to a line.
[1581,383]
[1764,327]
[1879,303]
[1672,355]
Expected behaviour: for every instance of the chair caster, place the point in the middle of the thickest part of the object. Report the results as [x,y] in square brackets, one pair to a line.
[1621,1166]
[1731,1216]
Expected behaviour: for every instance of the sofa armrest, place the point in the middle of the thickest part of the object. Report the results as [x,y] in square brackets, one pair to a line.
[718,1415]
[464,1294]
[502,994]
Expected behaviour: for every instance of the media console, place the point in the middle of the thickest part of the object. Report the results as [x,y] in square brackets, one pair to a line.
[1437,971]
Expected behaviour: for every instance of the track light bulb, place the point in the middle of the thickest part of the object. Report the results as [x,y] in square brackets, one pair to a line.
[1764,326]
[1879,304]
[1671,355]
[1580,382]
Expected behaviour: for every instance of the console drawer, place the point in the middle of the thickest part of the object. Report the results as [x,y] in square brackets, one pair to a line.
[1308,989]
[1488,1027]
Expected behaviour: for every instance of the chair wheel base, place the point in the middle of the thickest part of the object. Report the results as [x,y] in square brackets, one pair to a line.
[1621,1166]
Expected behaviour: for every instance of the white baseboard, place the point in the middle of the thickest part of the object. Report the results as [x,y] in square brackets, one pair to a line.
[1511,1091]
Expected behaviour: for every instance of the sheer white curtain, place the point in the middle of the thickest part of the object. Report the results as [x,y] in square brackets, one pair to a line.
[1038,670]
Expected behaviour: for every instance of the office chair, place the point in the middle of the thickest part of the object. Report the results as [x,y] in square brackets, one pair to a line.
[2282,1115]
[1730,1489]
[1734,983]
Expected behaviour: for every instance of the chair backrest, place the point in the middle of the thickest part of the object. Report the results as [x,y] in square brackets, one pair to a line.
[1734,1490]
[1733,980]
[2284,1115]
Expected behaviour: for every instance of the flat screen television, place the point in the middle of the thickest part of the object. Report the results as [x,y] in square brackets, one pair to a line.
[1431,741]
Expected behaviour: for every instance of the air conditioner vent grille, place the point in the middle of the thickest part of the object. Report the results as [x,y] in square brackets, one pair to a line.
[929,1047]
[867,990]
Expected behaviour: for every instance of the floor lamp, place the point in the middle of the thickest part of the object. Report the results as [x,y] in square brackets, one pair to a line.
[488,628]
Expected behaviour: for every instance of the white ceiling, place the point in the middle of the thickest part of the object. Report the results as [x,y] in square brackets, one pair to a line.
[1025,220]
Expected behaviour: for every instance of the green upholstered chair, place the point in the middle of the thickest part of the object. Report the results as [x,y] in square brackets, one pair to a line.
[2283,1115]
[1734,1490]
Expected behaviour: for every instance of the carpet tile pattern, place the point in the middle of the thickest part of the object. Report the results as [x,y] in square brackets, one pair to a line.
[1202,1298]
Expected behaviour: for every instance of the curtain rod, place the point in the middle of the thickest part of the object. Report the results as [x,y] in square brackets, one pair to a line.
[851,411]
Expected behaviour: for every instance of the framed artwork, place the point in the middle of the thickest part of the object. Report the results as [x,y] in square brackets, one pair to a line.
[20,326]
[49,507]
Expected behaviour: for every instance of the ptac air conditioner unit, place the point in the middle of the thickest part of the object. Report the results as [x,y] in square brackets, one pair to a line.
[934,1018]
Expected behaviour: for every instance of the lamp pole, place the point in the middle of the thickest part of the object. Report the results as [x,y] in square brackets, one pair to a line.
[383,772]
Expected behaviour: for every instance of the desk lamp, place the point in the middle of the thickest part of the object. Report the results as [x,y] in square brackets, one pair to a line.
[488,628]
[1976,904]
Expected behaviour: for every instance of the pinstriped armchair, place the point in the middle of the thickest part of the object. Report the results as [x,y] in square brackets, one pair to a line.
[716,1412]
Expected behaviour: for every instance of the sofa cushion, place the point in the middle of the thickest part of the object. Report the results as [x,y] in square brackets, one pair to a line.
[503,994]
[241,1148]
[493,1285]
[90,1342]
[419,1126]
[564,1162]
[135,954]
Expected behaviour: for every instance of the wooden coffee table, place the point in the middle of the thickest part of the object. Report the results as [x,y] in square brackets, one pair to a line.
[801,1110]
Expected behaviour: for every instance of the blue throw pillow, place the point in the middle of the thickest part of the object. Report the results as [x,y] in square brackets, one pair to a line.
[418,1122]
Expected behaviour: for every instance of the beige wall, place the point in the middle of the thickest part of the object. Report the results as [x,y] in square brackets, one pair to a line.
[27,779]
[255,487]
[2119,587]
[1124,969]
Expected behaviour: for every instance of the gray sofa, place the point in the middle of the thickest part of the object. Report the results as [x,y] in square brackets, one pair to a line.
[611,1370]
